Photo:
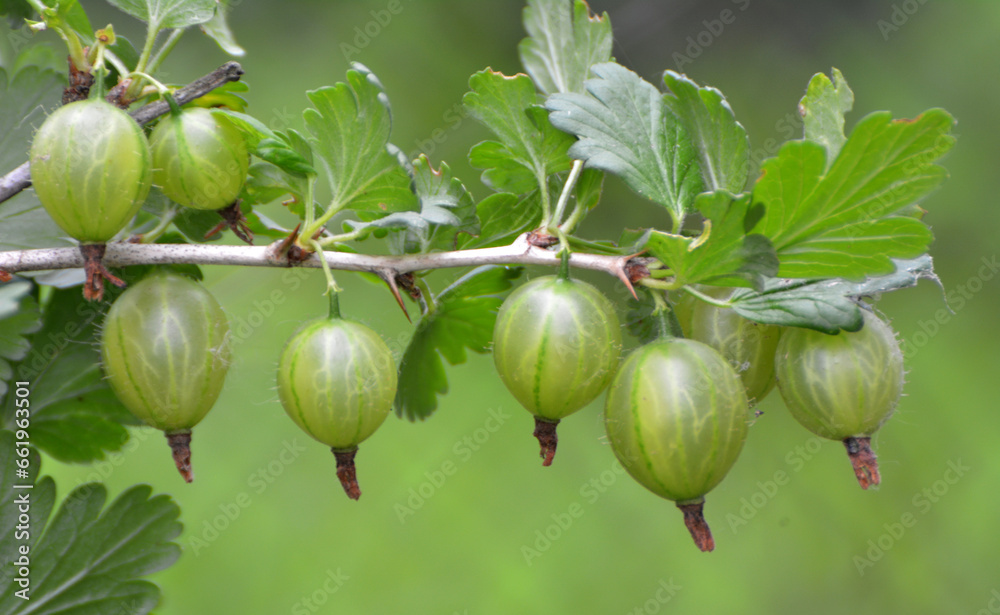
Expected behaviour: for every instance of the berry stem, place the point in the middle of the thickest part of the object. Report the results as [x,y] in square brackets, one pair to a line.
[93,267]
[694,519]
[347,473]
[863,460]
[180,446]
[545,431]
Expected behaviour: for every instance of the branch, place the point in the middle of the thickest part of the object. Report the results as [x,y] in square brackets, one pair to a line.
[124,254]
[20,178]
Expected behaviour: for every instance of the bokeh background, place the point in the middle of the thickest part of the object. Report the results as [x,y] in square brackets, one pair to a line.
[268,529]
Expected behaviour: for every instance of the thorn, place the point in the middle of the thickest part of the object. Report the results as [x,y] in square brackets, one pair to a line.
[389,277]
[282,247]
[620,272]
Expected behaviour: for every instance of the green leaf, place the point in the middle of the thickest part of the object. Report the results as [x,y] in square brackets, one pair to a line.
[84,560]
[350,128]
[627,129]
[823,108]
[721,142]
[24,99]
[563,44]
[16,11]
[530,148]
[19,317]
[820,305]
[827,305]
[463,318]
[218,29]
[503,216]
[161,14]
[723,255]
[75,416]
[843,223]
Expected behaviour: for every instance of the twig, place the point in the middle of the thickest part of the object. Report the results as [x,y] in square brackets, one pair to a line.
[20,178]
[521,252]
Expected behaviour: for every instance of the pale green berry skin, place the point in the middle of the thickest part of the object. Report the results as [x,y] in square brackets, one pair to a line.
[91,169]
[556,345]
[337,381]
[199,160]
[165,351]
[841,386]
[677,416]
[748,346]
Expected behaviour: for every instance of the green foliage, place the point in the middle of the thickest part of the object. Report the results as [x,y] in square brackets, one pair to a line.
[823,108]
[843,223]
[462,317]
[724,254]
[529,149]
[626,128]
[161,14]
[75,416]
[19,317]
[564,41]
[350,127]
[88,558]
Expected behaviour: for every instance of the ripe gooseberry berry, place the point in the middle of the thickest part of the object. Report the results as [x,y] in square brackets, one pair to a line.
[165,351]
[556,345]
[843,387]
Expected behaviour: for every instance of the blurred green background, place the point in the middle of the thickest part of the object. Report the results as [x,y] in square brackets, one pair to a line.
[267,526]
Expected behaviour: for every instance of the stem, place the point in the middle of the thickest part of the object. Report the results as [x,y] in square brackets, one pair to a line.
[331,284]
[564,264]
[334,306]
[521,252]
[574,176]
[20,178]
[546,199]
[574,218]
[165,49]
[667,325]
[161,227]
[147,49]
[430,305]
[722,303]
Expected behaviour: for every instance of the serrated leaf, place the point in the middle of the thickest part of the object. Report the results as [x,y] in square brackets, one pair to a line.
[24,99]
[445,205]
[75,417]
[823,108]
[530,148]
[350,128]
[503,216]
[218,29]
[564,41]
[19,317]
[723,255]
[16,11]
[842,223]
[463,319]
[721,142]
[85,560]
[820,305]
[627,129]
[161,14]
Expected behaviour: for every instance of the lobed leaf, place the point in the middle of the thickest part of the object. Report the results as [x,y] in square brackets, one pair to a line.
[85,560]
[19,317]
[161,14]
[349,129]
[564,41]
[720,141]
[463,318]
[446,208]
[626,128]
[724,254]
[75,416]
[823,108]
[843,222]
[217,28]
[530,149]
